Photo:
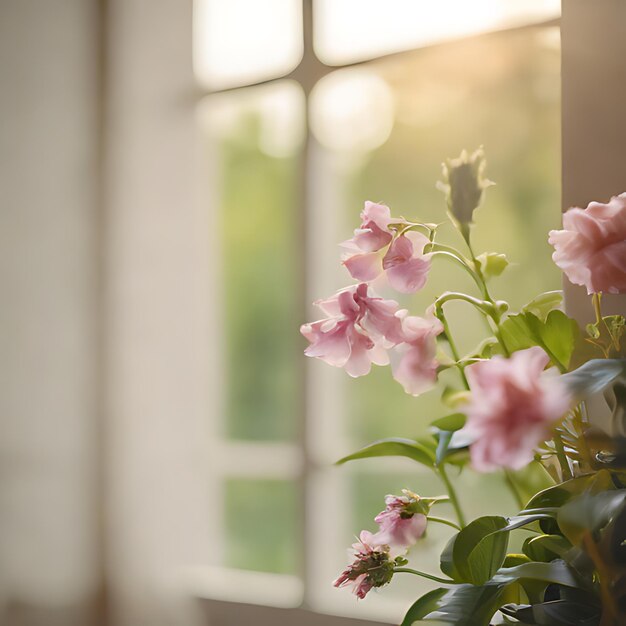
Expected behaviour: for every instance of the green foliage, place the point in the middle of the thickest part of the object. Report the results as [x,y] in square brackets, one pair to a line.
[422,607]
[395,447]
[492,264]
[556,335]
[541,305]
[452,422]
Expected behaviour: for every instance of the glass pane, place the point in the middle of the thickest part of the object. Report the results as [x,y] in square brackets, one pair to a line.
[505,95]
[350,30]
[261,522]
[501,91]
[238,42]
[256,135]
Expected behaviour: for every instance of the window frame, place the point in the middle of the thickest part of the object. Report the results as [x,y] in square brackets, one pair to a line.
[308,72]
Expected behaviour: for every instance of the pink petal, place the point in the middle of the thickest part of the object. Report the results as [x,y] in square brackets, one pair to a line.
[364,267]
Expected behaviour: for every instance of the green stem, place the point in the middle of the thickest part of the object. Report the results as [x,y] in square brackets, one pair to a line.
[442,520]
[494,315]
[562,457]
[596,299]
[408,570]
[510,481]
[448,335]
[453,497]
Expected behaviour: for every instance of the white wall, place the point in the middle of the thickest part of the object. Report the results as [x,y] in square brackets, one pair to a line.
[48,300]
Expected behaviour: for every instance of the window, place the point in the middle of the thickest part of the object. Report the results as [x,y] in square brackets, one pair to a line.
[357,106]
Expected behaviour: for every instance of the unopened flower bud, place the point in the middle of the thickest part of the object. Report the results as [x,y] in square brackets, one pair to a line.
[464,183]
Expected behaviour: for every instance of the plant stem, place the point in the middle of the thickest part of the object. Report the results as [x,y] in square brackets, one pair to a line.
[494,316]
[448,335]
[442,520]
[408,570]
[452,493]
[596,299]
[510,481]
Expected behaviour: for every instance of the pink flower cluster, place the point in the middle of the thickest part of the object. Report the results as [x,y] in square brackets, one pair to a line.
[378,247]
[591,249]
[400,526]
[513,407]
[360,330]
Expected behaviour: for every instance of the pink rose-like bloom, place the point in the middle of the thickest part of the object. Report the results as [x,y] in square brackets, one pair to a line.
[406,265]
[416,370]
[514,405]
[371,566]
[359,330]
[591,249]
[400,527]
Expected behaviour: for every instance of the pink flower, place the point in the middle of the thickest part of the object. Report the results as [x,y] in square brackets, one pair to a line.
[360,329]
[371,567]
[400,524]
[374,233]
[591,249]
[406,265]
[416,370]
[375,247]
[514,405]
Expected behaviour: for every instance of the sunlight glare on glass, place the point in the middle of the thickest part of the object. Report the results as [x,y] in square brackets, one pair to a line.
[237,42]
[278,108]
[352,111]
[350,30]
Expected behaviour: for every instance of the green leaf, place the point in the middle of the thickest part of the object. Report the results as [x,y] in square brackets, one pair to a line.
[555,613]
[479,550]
[543,304]
[492,264]
[589,512]
[556,335]
[512,560]
[594,376]
[422,607]
[557,573]
[394,447]
[560,494]
[616,399]
[475,605]
[447,427]
[469,605]
[452,422]
[546,548]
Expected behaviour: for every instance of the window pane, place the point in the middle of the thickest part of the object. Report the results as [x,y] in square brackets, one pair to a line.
[349,30]
[501,91]
[504,95]
[238,42]
[256,135]
[261,521]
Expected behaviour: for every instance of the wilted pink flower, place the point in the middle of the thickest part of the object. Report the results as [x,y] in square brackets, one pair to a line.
[371,567]
[416,370]
[400,524]
[360,329]
[406,265]
[591,249]
[513,406]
